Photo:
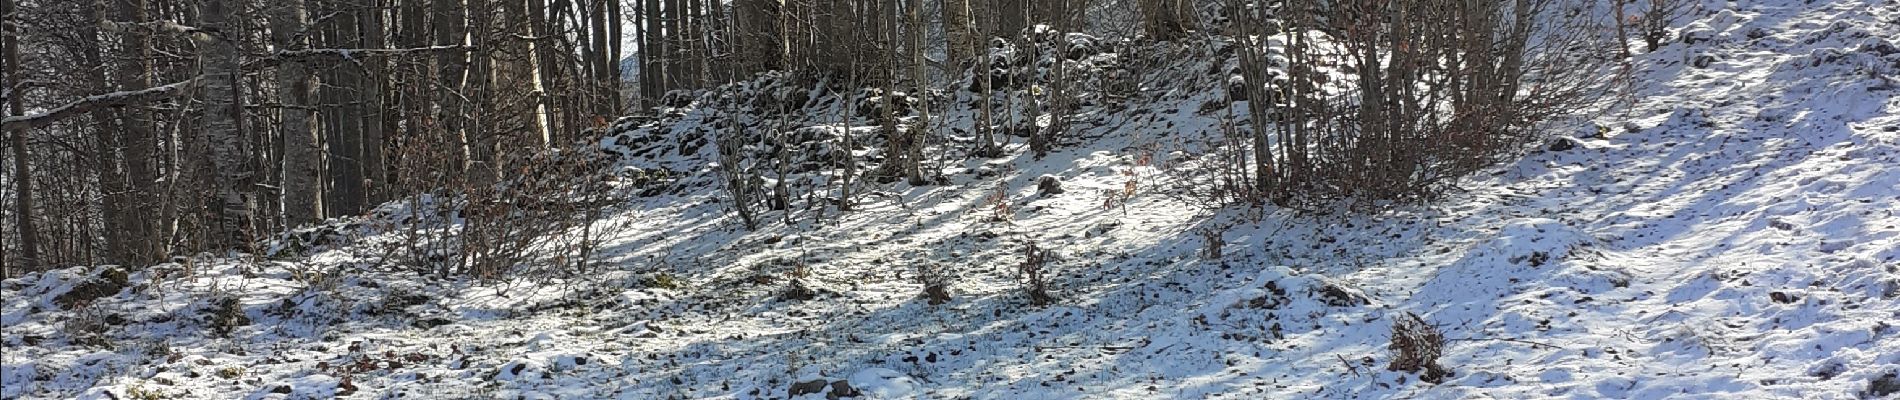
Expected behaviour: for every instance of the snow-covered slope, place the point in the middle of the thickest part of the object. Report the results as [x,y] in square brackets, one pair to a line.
[1732,234]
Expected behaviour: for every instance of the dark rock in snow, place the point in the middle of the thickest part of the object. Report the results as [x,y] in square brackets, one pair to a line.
[1783,297]
[107,282]
[807,387]
[1880,48]
[1563,144]
[842,389]
[1883,386]
[1703,61]
[432,322]
[1049,185]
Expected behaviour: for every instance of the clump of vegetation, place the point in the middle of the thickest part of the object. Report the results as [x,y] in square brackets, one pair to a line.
[138,392]
[88,326]
[224,315]
[661,281]
[1035,274]
[936,281]
[1416,347]
[107,282]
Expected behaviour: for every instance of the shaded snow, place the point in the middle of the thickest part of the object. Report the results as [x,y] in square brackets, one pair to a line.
[1732,235]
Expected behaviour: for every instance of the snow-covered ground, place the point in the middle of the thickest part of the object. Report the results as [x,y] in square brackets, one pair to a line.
[1733,234]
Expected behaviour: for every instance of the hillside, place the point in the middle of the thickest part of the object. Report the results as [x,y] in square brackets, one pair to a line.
[1732,232]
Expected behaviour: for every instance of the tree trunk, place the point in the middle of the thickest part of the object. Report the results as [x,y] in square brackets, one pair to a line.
[108,135]
[22,175]
[376,121]
[758,35]
[920,92]
[134,72]
[449,22]
[959,33]
[301,195]
[223,122]
[673,16]
[653,53]
[1166,19]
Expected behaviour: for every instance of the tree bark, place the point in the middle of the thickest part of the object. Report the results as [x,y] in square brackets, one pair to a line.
[1166,19]
[223,122]
[301,195]
[376,122]
[959,33]
[108,135]
[758,33]
[135,72]
[22,174]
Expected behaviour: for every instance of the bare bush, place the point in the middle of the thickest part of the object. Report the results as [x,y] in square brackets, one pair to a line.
[88,325]
[936,281]
[538,215]
[1657,17]
[1034,274]
[1391,101]
[741,180]
[1416,347]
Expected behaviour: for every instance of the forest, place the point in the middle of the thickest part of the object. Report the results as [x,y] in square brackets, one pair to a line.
[949,198]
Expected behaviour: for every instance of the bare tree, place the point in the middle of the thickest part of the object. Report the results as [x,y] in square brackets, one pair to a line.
[22,172]
[223,120]
[302,197]
[1170,19]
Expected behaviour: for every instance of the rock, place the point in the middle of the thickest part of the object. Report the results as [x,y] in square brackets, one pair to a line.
[106,282]
[1697,34]
[1703,61]
[1882,49]
[807,387]
[431,322]
[1757,33]
[1049,185]
[1337,294]
[1563,144]
[1883,386]
[1783,297]
[841,389]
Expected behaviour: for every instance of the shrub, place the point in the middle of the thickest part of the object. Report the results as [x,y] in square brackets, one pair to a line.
[1392,101]
[1416,347]
[936,282]
[1034,274]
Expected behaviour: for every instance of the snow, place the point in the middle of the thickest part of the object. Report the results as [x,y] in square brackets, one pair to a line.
[1731,234]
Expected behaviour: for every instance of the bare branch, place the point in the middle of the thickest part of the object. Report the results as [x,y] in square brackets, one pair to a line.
[132,97]
[94,102]
[342,55]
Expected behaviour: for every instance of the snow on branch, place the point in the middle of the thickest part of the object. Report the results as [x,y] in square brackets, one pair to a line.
[94,102]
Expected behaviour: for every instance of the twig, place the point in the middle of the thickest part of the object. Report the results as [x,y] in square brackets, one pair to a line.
[1349,367]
